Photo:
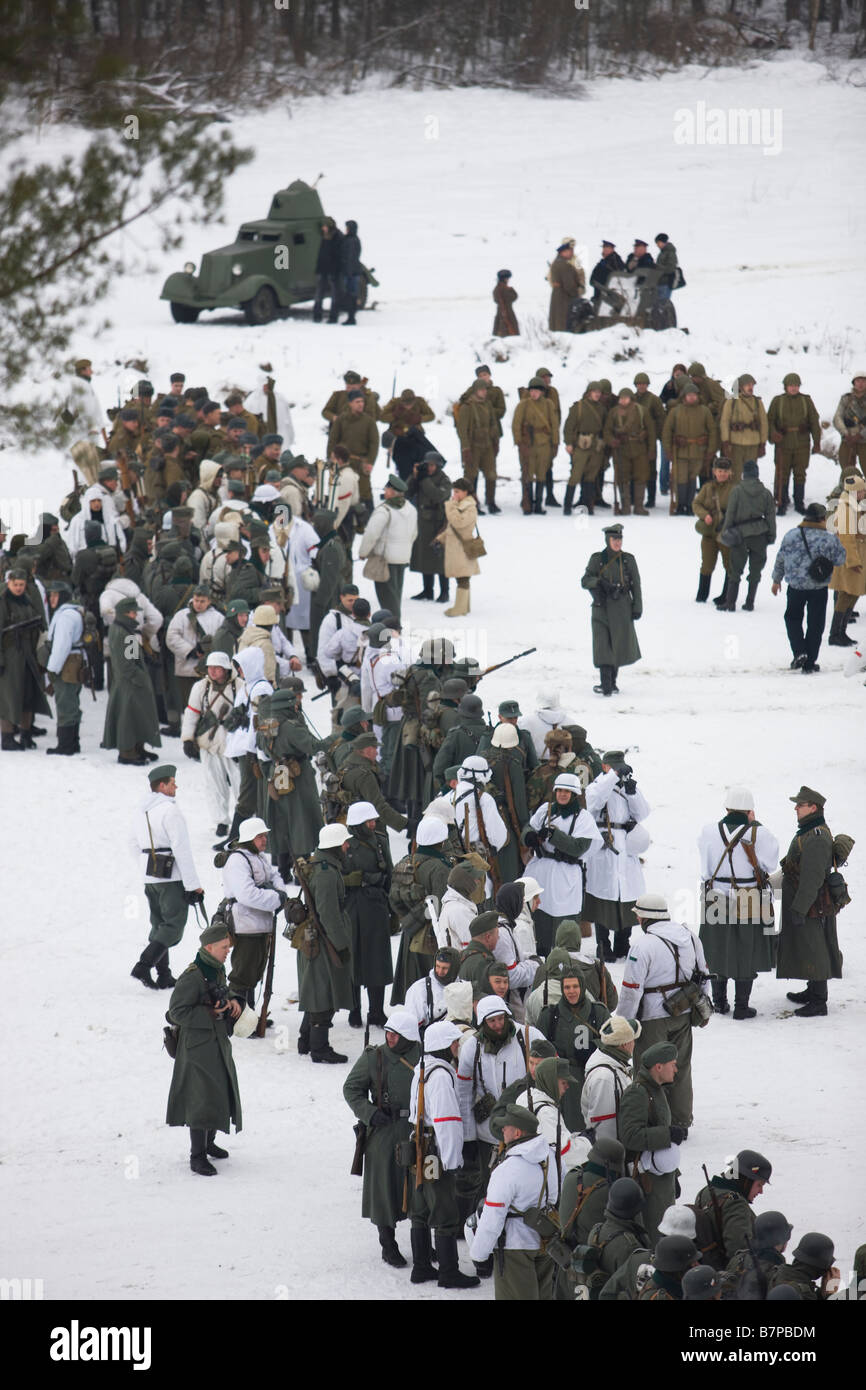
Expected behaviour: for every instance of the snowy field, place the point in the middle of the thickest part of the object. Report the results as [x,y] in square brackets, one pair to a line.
[447,188]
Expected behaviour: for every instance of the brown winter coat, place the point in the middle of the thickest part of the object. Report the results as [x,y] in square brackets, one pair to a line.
[567,281]
[461,519]
[849,524]
[505,324]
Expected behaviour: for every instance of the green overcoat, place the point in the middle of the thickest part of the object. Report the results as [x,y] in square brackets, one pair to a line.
[432,868]
[381,1079]
[20,677]
[204,1085]
[294,819]
[362,780]
[323,986]
[367,874]
[808,951]
[131,716]
[614,582]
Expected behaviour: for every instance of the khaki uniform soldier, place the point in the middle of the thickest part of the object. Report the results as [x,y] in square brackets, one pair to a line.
[808,944]
[849,578]
[234,404]
[584,443]
[405,411]
[690,439]
[850,421]
[204,1092]
[651,405]
[710,391]
[727,1201]
[171,882]
[710,507]
[792,421]
[478,431]
[630,434]
[356,430]
[338,401]
[743,426]
[377,1090]
[751,522]
[535,430]
[567,282]
[651,1140]
[495,398]
[545,375]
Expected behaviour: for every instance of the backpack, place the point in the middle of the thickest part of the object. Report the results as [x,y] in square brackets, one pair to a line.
[407,899]
[70,506]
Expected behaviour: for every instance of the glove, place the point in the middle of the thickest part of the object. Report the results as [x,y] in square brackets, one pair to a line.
[333,684]
[678,1134]
[190,750]
[797,919]
[629,786]
[283,897]
[195,652]
[379,1118]
[531,839]
[193,895]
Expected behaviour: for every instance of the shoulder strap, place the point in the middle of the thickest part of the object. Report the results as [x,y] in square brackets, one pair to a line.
[730,846]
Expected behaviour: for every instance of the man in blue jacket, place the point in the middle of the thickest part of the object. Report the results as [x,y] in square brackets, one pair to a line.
[807,595]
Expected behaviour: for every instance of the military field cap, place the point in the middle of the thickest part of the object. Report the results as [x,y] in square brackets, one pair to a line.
[271,439]
[407,394]
[641,378]
[506,274]
[201,591]
[351,376]
[750,468]
[700,1284]
[536,384]
[123,605]
[130,412]
[144,388]
[452,773]
[82,364]
[520,1118]
[791,379]
[746,379]
[355,395]
[353,715]
[365,740]
[638,242]
[807,797]
[609,243]
[217,931]
[652,905]
[626,391]
[237,605]
[659,1053]
[183,420]
[265,616]
[163,772]
[613,757]
[614,530]
[484,922]
[237,424]
[617,1030]
[540,1047]
[236,487]
[566,244]
[593,386]
[509,709]
[167,407]
[177,376]
[396,482]
[270,595]
[107,473]
[722,464]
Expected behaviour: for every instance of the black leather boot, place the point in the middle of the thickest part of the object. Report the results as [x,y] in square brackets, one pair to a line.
[198,1154]
[213,1148]
[164,977]
[730,602]
[427,591]
[569,500]
[390,1249]
[450,1276]
[588,497]
[838,637]
[799,499]
[537,509]
[749,605]
[65,740]
[703,588]
[320,1047]
[719,986]
[444,586]
[422,1268]
[376,1009]
[548,484]
[742,990]
[148,958]
[304,1036]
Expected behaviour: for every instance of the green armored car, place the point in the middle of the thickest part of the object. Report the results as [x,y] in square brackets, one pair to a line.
[270,265]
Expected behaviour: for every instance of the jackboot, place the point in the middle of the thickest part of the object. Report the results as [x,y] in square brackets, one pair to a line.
[606,685]
[639,508]
[730,601]
[526,499]
[651,489]
[444,595]
[703,588]
[682,499]
[720,597]
[304,1036]
[838,636]
[449,1269]
[198,1154]
[26,739]
[390,1249]
[65,740]
[588,497]
[164,977]
[799,499]
[320,1048]
[490,496]
[422,1268]
[624,501]
[213,1149]
[148,958]
[548,485]
[719,986]
[427,591]
[569,500]
[602,936]
[9,745]
[376,1006]
[461,605]
[230,833]
[749,605]
[742,990]
[537,509]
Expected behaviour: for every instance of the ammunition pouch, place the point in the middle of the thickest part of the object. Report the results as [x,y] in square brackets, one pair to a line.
[160,862]
[483,1107]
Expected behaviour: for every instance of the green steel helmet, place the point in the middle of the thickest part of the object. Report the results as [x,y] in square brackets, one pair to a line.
[700,1284]
[675,1254]
[625,1199]
[626,391]
[791,379]
[771,1228]
[746,379]
[609,1153]
[753,1166]
[697,369]
[816,1251]
[641,379]
[605,385]
[536,384]
[594,386]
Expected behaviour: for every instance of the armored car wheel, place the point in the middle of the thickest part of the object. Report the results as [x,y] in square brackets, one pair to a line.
[263,307]
[183,313]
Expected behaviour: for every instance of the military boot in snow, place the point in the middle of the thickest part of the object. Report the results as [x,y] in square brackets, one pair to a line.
[422,1268]
[390,1249]
[320,1047]
[569,501]
[719,986]
[742,990]
[198,1154]
[450,1276]
[749,605]
[148,958]
[703,588]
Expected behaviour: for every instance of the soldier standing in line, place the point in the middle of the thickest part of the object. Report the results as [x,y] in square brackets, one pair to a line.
[171,882]
[613,579]
[850,421]
[584,443]
[614,878]
[478,431]
[653,409]
[710,507]
[428,489]
[651,1140]
[325,973]
[377,1090]
[727,1201]
[791,420]
[630,435]
[743,426]
[750,526]
[690,439]
[355,429]
[535,430]
[64,665]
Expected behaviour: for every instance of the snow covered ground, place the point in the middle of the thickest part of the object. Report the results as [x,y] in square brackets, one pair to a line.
[447,188]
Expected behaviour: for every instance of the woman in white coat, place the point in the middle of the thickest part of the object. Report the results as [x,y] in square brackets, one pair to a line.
[614,878]
[562,836]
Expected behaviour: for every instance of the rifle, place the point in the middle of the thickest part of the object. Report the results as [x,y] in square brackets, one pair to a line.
[25,622]
[333,953]
[497,666]
[419,1124]
[491,853]
[717,1211]
[599,955]
[126,484]
[269,981]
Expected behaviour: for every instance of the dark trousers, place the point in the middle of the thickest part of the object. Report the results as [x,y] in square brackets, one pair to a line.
[813,604]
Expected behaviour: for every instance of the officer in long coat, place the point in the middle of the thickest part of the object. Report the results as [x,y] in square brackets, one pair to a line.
[613,579]
[204,1092]
[325,966]
[368,881]
[377,1090]
[131,720]
[567,282]
[21,692]
[428,489]
[291,806]
[808,945]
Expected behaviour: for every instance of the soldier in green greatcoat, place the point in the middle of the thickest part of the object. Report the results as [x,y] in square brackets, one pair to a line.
[291,806]
[646,1131]
[727,1203]
[367,877]
[463,737]
[750,526]
[361,780]
[754,1265]
[584,443]
[413,761]
[507,763]
[130,718]
[329,562]
[585,1190]
[21,681]
[204,1092]
[619,1234]
[428,489]
[572,1024]
[808,944]
[478,955]
[325,964]
[613,579]
[377,1091]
